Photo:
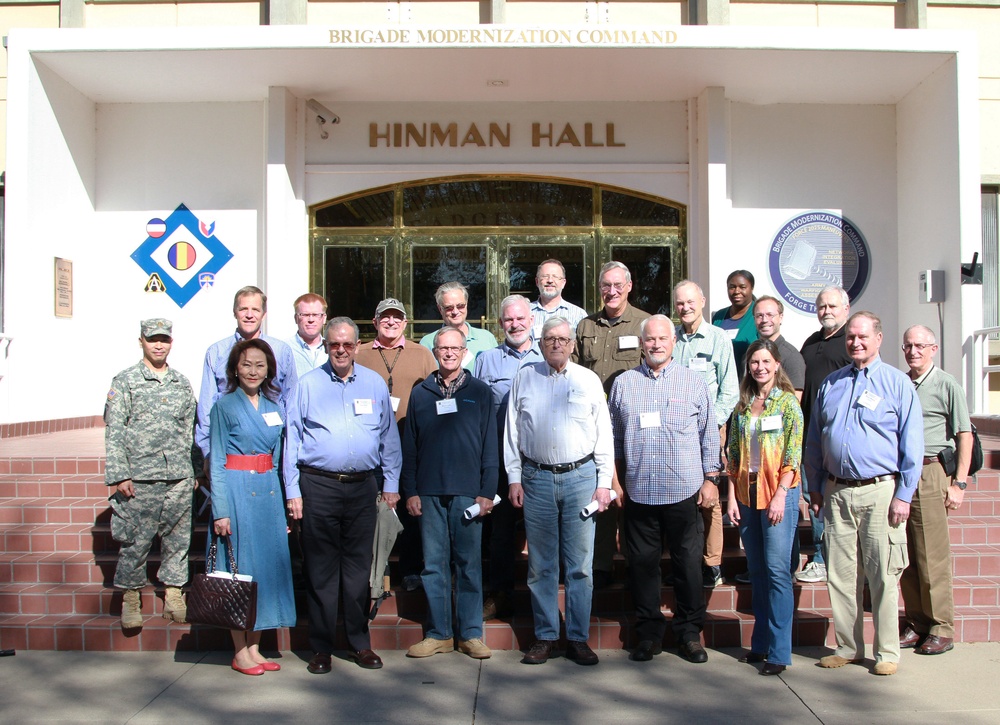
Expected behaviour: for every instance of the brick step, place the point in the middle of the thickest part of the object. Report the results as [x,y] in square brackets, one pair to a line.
[73,568]
[44,465]
[52,485]
[389,632]
[75,538]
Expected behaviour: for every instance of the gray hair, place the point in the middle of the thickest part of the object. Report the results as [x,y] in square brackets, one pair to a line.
[450,287]
[656,318]
[445,330]
[342,322]
[249,291]
[921,328]
[554,322]
[514,300]
[876,322]
[844,299]
[685,283]
[615,265]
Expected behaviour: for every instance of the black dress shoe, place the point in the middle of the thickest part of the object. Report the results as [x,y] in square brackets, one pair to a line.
[772,669]
[693,652]
[540,652]
[753,658]
[366,658]
[581,653]
[319,664]
[909,639]
[645,651]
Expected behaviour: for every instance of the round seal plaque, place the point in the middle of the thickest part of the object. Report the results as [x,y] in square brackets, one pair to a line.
[815,250]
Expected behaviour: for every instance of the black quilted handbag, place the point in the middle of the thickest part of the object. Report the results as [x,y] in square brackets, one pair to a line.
[223,602]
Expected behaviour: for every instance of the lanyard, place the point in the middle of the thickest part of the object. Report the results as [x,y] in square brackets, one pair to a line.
[389,368]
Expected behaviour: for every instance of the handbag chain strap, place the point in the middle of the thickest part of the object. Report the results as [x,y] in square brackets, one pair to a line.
[213,550]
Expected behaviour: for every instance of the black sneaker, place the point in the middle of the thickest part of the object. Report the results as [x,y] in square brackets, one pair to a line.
[712,577]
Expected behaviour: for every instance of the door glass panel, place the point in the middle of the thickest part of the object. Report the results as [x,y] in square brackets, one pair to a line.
[498,203]
[374,210]
[354,283]
[433,266]
[652,276]
[524,261]
[625,210]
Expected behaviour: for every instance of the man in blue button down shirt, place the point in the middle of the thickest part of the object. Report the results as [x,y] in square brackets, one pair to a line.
[866,442]
[340,428]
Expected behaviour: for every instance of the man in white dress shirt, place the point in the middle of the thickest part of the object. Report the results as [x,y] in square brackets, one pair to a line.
[559,455]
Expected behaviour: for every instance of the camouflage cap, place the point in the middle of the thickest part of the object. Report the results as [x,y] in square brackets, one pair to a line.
[389,304]
[156,326]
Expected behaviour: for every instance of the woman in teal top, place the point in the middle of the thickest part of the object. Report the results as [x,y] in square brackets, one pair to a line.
[737,319]
[247,495]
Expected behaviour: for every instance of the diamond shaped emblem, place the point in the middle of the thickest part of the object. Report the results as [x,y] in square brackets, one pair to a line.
[183,252]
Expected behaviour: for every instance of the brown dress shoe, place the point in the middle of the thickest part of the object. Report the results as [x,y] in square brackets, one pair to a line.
[366,659]
[935,645]
[540,652]
[581,653]
[319,664]
[909,639]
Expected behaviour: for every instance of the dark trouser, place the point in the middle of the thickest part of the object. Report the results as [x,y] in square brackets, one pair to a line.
[501,530]
[682,526]
[338,526]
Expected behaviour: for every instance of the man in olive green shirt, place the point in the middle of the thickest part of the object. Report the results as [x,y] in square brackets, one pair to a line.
[926,584]
[607,342]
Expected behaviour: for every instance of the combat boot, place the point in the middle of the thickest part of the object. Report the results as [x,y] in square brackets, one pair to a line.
[174,606]
[131,610]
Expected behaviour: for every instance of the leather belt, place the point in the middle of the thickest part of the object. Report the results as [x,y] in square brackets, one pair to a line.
[563,467]
[862,481]
[260,463]
[753,477]
[349,477]
[928,460]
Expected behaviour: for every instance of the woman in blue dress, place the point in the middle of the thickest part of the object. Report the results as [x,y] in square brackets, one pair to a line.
[247,495]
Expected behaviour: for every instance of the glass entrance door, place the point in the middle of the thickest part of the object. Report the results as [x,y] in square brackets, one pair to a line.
[406,241]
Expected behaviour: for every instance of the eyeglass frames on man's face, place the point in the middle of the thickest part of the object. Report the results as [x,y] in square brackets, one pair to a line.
[553,341]
[310,315]
[452,308]
[918,346]
[617,286]
[447,349]
[347,346]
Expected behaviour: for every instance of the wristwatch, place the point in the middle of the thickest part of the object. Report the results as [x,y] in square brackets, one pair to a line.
[960,484]
[713,479]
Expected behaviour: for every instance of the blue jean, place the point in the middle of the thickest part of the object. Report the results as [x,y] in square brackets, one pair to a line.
[816,523]
[768,549]
[452,544]
[557,533]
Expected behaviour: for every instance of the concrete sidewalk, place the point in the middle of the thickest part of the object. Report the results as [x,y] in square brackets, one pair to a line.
[958,687]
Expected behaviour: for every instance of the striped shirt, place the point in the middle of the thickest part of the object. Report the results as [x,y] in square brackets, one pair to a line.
[665,430]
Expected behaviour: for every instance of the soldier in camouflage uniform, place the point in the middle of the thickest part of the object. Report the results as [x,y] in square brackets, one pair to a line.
[150,417]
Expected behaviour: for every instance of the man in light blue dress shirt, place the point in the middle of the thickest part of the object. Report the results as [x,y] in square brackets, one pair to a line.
[865,448]
[340,428]
[497,368]
[249,309]
[307,342]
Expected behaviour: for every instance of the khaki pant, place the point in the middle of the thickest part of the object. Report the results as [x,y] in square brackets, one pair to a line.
[927,583]
[860,544]
[713,535]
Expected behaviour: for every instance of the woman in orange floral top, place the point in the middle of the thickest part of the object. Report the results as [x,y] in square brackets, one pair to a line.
[765,452]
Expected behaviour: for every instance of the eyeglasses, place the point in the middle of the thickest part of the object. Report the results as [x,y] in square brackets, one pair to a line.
[546,277]
[347,346]
[765,315]
[453,308]
[310,315]
[560,341]
[453,350]
[918,346]
[617,286]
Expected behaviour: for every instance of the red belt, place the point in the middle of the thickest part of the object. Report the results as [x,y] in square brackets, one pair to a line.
[261,463]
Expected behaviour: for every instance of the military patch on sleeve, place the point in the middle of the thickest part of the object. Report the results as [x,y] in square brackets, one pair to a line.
[112,393]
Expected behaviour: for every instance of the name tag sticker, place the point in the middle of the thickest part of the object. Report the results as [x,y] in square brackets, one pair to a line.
[395,403]
[449,405]
[272,418]
[869,400]
[628,342]
[698,364]
[733,333]
[649,420]
[362,406]
[770,422]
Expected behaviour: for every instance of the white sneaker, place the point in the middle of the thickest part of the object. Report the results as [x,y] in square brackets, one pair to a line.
[813,573]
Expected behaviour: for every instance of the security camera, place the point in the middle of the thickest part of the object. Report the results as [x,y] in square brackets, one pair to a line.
[323,114]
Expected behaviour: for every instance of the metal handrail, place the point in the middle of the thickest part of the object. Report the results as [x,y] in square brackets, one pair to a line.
[977,394]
